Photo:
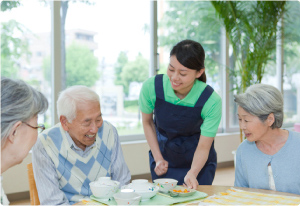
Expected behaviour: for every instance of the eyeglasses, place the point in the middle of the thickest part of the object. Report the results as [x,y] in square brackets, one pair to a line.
[40,127]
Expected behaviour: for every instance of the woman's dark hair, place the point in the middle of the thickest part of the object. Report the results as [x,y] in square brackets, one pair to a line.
[191,55]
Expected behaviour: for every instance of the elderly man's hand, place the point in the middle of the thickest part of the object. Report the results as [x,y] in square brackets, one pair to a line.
[161,167]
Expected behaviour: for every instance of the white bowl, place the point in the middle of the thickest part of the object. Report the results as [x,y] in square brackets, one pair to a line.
[147,194]
[104,188]
[141,184]
[127,198]
[146,189]
[104,179]
[165,184]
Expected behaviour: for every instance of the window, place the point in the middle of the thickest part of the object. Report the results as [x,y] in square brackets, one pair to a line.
[179,20]
[288,66]
[108,51]
[291,64]
[26,39]
[107,48]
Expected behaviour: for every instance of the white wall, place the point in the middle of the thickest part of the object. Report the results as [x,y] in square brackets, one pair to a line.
[15,179]
[136,156]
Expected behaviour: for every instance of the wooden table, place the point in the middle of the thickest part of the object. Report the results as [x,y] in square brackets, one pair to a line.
[215,189]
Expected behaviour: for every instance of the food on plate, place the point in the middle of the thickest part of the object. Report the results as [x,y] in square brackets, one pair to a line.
[182,191]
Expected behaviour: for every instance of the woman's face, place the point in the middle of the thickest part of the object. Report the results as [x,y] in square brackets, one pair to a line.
[181,78]
[25,139]
[253,128]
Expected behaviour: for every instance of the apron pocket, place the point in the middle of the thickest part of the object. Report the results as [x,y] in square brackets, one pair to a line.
[179,152]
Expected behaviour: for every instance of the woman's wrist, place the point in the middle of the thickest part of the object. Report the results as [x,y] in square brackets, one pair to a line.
[194,171]
[158,157]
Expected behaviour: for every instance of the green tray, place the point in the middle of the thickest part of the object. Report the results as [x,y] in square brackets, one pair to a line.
[158,199]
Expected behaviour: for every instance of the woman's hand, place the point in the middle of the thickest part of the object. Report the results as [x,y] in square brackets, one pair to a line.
[190,180]
[202,151]
[161,167]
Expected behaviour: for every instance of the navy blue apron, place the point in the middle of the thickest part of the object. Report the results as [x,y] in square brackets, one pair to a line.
[178,133]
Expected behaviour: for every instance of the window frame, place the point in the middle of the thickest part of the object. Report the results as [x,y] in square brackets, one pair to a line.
[225,81]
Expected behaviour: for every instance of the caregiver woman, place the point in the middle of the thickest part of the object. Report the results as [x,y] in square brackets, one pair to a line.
[187,113]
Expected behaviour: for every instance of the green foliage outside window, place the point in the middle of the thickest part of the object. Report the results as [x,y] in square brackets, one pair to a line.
[131,71]
[12,47]
[121,62]
[8,5]
[195,20]
[251,28]
[292,40]
[81,66]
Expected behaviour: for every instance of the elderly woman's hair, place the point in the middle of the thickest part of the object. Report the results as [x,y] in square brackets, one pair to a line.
[69,98]
[261,100]
[19,102]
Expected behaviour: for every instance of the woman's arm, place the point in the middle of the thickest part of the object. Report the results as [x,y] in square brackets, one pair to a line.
[150,133]
[199,160]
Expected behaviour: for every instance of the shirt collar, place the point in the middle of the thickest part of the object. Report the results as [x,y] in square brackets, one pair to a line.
[74,146]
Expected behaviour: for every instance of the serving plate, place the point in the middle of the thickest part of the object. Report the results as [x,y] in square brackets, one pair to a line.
[181,192]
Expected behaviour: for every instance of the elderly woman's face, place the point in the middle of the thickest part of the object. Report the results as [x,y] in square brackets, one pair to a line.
[253,128]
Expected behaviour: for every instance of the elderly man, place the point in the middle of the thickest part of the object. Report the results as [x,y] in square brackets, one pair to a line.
[78,150]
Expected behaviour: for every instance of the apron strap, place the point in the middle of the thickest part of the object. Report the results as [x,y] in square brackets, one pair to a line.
[204,96]
[159,90]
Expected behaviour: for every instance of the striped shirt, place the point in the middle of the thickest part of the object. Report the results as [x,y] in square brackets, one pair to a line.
[46,177]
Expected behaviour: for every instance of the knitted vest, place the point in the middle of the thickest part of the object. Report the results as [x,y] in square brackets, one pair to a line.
[75,172]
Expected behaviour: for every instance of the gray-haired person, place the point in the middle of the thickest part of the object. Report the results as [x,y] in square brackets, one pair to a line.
[269,158]
[20,106]
[79,149]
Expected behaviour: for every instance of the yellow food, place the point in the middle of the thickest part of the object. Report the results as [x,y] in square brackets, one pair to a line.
[180,191]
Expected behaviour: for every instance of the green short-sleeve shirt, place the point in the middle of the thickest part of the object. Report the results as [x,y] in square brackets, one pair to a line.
[211,112]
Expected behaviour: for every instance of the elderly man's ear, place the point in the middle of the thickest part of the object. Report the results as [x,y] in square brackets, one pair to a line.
[64,122]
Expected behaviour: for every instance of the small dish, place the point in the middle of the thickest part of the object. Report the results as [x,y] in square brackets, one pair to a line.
[165,184]
[144,188]
[127,198]
[181,192]
[104,188]
[141,184]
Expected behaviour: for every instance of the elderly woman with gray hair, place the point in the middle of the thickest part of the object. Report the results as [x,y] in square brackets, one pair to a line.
[20,105]
[270,156]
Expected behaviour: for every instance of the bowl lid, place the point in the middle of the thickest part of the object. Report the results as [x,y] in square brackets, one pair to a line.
[141,187]
[105,181]
[165,180]
[126,195]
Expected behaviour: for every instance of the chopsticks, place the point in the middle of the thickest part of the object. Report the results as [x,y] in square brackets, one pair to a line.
[165,195]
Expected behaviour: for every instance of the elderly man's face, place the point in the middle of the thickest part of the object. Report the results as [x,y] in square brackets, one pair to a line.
[84,127]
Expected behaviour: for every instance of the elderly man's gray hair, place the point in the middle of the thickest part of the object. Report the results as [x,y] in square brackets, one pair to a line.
[69,98]
[261,100]
[19,102]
